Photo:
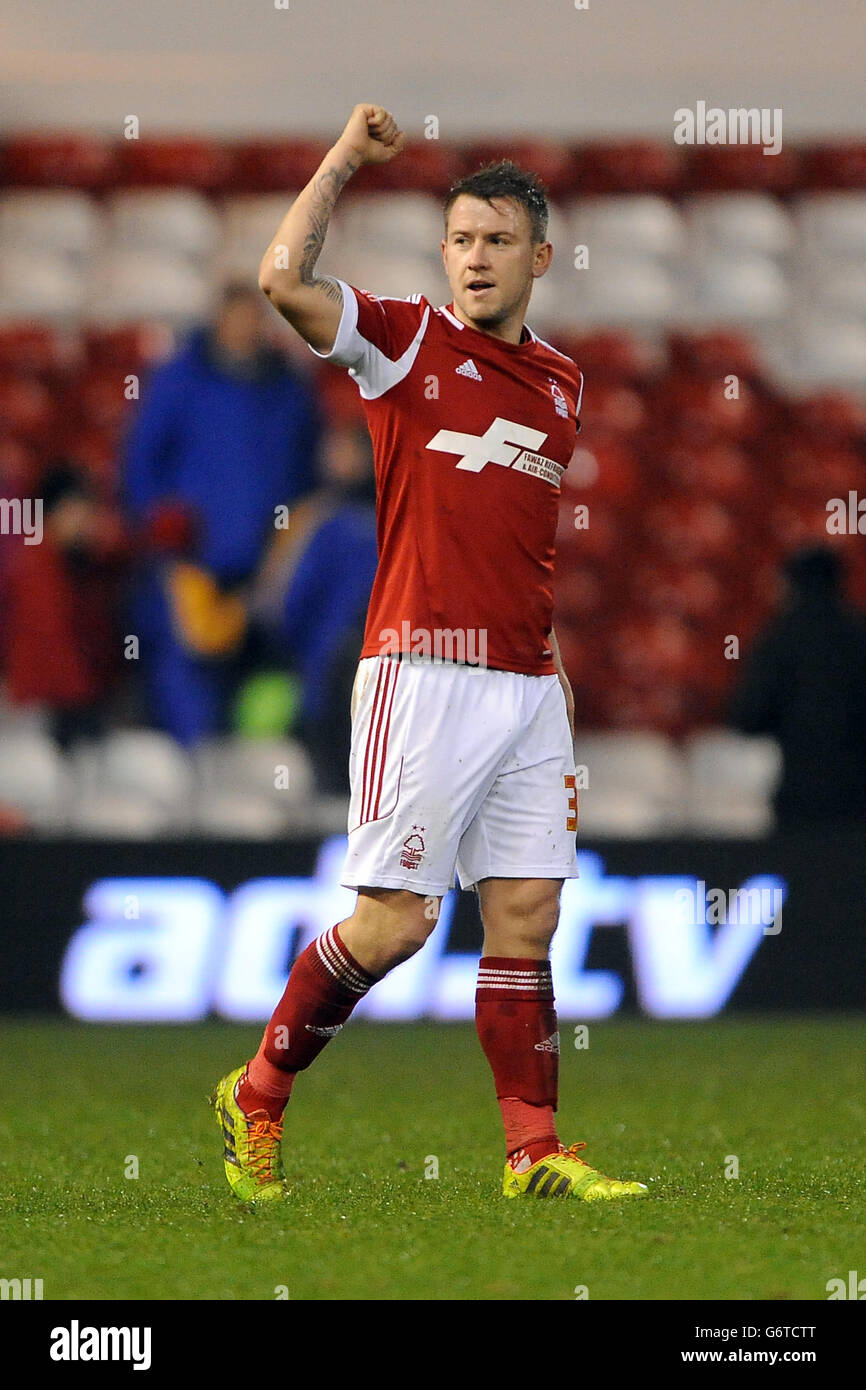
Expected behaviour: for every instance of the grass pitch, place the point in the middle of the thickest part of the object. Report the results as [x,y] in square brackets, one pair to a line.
[674,1104]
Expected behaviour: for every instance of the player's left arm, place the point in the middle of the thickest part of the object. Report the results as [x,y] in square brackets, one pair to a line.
[563,678]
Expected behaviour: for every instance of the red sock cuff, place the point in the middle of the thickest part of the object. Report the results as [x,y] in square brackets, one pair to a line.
[503,978]
[336,965]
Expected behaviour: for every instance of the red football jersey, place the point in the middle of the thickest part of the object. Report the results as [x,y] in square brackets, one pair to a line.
[471,436]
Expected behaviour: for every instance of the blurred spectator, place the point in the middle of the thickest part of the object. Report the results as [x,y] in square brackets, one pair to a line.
[61,641]
[226,432]
[312,597]
[805,683]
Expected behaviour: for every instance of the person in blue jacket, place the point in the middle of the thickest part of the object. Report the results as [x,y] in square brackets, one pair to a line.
[312,594]
[226,435]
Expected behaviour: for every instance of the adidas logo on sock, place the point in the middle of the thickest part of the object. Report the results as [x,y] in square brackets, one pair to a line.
[550,1044]
[324,1032]
[468,368]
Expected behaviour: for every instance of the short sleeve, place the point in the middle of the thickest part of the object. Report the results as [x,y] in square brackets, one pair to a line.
[377,339]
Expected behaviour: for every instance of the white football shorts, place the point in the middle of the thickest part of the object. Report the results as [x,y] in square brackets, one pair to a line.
[456,767]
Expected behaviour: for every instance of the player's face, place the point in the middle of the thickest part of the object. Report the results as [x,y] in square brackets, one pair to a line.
[491,260]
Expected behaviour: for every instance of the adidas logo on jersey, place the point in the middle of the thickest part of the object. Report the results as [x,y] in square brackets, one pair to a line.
[468,368]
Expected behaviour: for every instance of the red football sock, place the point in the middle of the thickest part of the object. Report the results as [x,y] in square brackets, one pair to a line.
[516,1023]
[324,986]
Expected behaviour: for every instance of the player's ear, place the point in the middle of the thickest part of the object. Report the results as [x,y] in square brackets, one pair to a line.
[542,258]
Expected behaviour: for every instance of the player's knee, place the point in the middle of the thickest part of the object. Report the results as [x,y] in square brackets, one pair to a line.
[399,920]
[522,914]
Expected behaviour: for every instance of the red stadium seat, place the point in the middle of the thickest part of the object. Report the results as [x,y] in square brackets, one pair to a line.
[612,408]
[743,167]
[194,162]
[20,468]
[27,409]
[611,355]
[101,398]
[604,468]
[718,469]
[838,165]
[37,348]
[131,345]
[830,415]
[714,354]
[425,166]
[699,408]
[58,161]
[551,160]
[276,165]
[627,166]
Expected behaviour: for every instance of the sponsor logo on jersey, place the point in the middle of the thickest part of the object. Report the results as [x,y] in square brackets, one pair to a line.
[468,368]
[504,442]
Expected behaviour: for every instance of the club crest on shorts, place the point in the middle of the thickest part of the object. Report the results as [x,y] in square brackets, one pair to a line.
[413,848]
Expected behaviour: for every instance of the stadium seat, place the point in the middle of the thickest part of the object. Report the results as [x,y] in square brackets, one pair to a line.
[628,166]
[625,290]
[57,221]
[33,777]
[634,783]
[42,285]
[630,225]
[715,353]
[384,273]
[392,223]
[743,167]
[273,164]
[163,161]
[736,222]
[834,416]
[251,769]
[58,161]
[39,348]
[134,782]
[178,221]
[828,351]
[832,224]
[133,344]
[730,779]
[613,354]
[841,164]
[249,223]
[132,285]
[738,289]
[551,160]
[27,409]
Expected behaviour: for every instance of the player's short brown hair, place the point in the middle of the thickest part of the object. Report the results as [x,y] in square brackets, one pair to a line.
[505,179]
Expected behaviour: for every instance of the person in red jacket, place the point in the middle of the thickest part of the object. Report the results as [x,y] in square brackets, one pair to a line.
[61,645]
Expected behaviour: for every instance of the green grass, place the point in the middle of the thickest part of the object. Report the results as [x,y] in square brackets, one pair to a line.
[666,1102]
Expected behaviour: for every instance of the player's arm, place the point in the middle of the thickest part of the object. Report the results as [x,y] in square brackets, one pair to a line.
[563,678]
[313,303]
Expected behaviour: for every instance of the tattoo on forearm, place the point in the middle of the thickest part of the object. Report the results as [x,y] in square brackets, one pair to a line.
[326,190]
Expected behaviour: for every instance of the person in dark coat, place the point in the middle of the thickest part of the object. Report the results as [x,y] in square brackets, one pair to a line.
[805,684]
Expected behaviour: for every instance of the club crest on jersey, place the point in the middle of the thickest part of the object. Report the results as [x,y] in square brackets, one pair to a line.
[413,849]
[504,442]
[559,400]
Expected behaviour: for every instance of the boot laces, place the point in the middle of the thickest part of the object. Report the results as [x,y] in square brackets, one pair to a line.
[572,1151]
[263,1137]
